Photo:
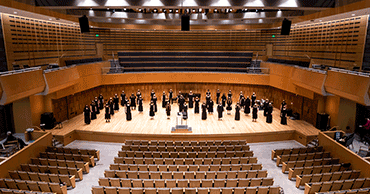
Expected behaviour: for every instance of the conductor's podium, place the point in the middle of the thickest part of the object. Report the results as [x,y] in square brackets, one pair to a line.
[181,124]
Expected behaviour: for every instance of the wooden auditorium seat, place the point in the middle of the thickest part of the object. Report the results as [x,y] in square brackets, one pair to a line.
[33,186]
[216,167]
[44,177]
[63,156]
[189,148]
[185,161]
[293,172]
[324,177]
[311,188]
[174,154]
[279,152]
[63,163]
[306,163]
[295,157]
[185,143]
[90,152]
[53,170]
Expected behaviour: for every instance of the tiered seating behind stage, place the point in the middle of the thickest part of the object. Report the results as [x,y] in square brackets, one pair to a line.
[316,171]
[230,61]
[167,167]
[53,172]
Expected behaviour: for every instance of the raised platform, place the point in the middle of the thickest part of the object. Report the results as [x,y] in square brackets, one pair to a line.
[141,126]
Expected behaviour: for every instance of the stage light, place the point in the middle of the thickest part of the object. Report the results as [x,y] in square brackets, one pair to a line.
[140,9]
[124,9]
[193,10]
[90,8]
[177,11]
[199,10]
[155,10]
[171,10]
[230,10]
[215,11]
[164,11]
[108,8]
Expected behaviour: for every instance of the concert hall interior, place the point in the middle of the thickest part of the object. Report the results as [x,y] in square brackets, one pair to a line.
[185,96]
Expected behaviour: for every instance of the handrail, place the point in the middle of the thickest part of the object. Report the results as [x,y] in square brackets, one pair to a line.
[248,70]
[58,68]
[19,71]
[311,69]
[349,72]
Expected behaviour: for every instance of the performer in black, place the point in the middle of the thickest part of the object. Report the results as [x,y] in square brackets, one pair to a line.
[196,108]
[133,101]
[152,94]
[210,106]
[155,103]
[164,100]
[283,115]
[220,109]
[229,95]
[138,94]
[242,102]
[204,111]
[151,110]
[223,99]
[191,99]
[123,98]
[185,111]
[247,104]
[229,108]
[254,113]
[93,110]
[101,102]
[140,103]
[116,102]
[170,96]
[128,113]
[208,98]
[265,107]
[208,92]
[107,113]
[168,109]
[87,113]
[181,101]
[96,100]
[178,97]
[218,94]
[254,97]
[111,106]
[237,112]
[269,113]
[282,105]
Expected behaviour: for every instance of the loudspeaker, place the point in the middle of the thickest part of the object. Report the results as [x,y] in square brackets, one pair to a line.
[48,119]
[185,23]
[322,121]
[84,24]
[285,27]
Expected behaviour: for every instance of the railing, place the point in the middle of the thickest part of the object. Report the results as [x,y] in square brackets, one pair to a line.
[349,72]
[248,70]
[312,69]
[19,71]
[58,68]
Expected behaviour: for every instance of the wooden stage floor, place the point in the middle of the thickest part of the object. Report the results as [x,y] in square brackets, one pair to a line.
[142,124]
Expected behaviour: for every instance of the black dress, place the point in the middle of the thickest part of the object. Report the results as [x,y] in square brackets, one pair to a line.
[265,108]
[210,106]
[254,113]
[168,110]
[223,99]
[170,96]
[242,102]
[237,113]
[247,104]
[128,113]
[181,104]
[107,112]
[269,114]
[151,95]
[87,115]
[155,103]
[253,99]
[116,103]
[111,107]
[283,117]
[140,103]
[123,99]
[164,101]
[93,111]
[191,100]
[133,101]
[220,109]
[101,102]
[196,106]
[138,94]
[229,95]
[185,112]
[151,110]
[204,112]
[229,103]
[218,94]
[97,106]
[208,98]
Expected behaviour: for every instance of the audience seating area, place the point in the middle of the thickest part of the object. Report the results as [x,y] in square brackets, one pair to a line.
[55,171]
[82,61]
[164,167]
[230,61]
[314,170]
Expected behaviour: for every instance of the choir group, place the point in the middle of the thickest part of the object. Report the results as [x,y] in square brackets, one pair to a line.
[130,103]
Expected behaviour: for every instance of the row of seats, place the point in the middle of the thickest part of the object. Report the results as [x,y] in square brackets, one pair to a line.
[194,183]
[311,188]
[16,191]
[33,186]
[307,156]
[62,163]
[334,176]
[185,148]
[52,169]
[185,143]
[216,167]
[186,174]
[91,152]
[35,176]
[293,172]
[279,152]
[185,161]
[211,154]
[63,156]
[306,163]
[213,190]
[351,191]
[185,53]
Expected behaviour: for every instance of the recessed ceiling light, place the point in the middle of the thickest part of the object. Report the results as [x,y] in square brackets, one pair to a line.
[15,12]
[108,8]
[90,8]
[353,14]
[124,9]
[320,20]
[50,18]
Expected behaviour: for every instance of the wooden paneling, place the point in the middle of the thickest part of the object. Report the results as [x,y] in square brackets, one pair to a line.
[350,86]
[344,154]
[60,79]
[20,85]
[90,75]
[309,80]
[280,76]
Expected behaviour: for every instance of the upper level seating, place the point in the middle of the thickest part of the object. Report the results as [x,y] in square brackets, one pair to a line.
[324,177]
[278,152]
[293,172]
[303,62]
[347,184]
[306,163]
[95,153]
[185,143]
[229,61]
[81,61]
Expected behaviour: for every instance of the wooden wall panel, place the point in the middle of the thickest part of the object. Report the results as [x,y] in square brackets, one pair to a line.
[310,80]
[57,80]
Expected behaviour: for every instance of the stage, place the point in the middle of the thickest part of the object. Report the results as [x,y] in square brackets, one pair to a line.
[142,126]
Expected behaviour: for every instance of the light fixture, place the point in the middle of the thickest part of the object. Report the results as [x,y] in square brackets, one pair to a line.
[200,10]
[113,10]
[155,10]
[50,18]
[230,10]
[108,8]
[256,10]
[353,14]
[90,8]
[171,10]
[177,11]
[140,9]
[15,12]
[164,11]
[193,10]
[215,11]
[124,9]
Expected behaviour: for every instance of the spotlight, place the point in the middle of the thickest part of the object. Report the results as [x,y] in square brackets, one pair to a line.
[113,10]
[140,10]
[193,10]
[164,11]
[177,11]
[124,9]
[199,10]
[256,10]
[155,10]
[171,10]
[108,8]
[230,10]
[215,11]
